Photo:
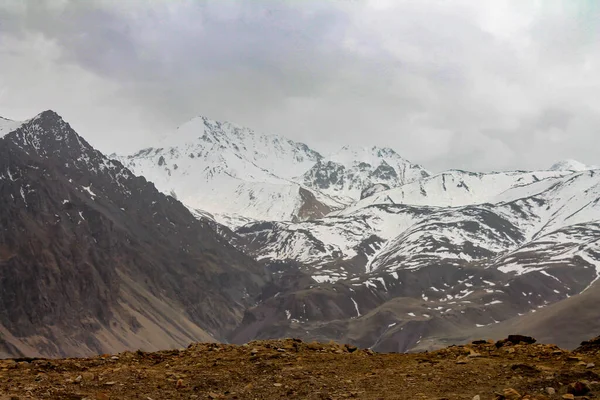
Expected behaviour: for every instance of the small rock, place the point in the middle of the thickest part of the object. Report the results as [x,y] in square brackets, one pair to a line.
[254,352]
[578,388]
[516,339]
[281,350]
[102,396]
[351,348]
[550,391]
[511,394]
[477,397]
[277,384]
[114,358]
[213,395]
[461,361]
[111,383]
[179,384]
[568,396]
[78,379]
[473,354]
[590,365]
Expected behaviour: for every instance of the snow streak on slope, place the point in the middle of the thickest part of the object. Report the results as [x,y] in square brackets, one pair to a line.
[457,188]
[394,236]
[331,238]
[7,126]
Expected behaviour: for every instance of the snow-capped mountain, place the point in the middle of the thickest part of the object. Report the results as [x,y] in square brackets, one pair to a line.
[572,165]
[228,170]
[360,246]
[237,174]
[511,249]
[455,188]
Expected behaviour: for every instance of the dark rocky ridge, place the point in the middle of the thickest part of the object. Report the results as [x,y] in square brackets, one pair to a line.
[94,259]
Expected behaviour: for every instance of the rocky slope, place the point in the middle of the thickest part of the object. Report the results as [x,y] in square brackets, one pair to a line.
[94,259]
[351,172]
[510,369]
[399,277]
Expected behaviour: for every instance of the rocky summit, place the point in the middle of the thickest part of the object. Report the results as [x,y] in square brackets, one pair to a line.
[514,368]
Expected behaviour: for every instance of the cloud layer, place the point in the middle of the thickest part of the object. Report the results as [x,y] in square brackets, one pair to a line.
[449,84]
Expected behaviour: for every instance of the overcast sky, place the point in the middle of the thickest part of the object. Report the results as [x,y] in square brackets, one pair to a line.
[471,84]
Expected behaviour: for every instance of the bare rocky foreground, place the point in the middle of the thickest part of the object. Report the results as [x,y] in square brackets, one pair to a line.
[510,369]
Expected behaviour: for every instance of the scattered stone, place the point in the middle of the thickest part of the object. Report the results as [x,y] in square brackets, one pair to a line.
[551,391]
[511,394]
[590,365]
[589,345]
[78,379]
[578,388]
[568,396]
[114,358]
[473,354]
[213,395]
[515,339]
[350,348]
[477,342]
[477,397]
[525,369]
[111,383]
[277,384]
[179,384]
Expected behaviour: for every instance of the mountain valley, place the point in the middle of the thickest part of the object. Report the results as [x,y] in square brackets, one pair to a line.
[224,234]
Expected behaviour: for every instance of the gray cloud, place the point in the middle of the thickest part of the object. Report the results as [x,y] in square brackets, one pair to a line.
[458,84]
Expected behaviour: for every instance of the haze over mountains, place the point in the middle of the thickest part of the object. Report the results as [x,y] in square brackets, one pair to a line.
[233,235]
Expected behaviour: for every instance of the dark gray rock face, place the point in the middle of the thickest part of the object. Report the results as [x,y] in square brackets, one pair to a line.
[94,259]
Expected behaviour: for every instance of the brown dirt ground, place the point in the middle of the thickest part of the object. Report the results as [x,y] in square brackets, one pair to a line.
[291,369]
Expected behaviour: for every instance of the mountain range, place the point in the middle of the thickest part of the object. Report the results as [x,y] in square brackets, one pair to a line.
[222,233]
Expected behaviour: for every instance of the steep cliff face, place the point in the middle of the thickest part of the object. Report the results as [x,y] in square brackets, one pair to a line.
[95,259]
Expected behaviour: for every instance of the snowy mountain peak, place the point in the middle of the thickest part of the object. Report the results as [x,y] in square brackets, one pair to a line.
[571,165]
[349,155]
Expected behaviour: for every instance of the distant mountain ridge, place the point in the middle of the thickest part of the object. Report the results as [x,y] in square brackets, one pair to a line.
[222,233]
[572,165]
